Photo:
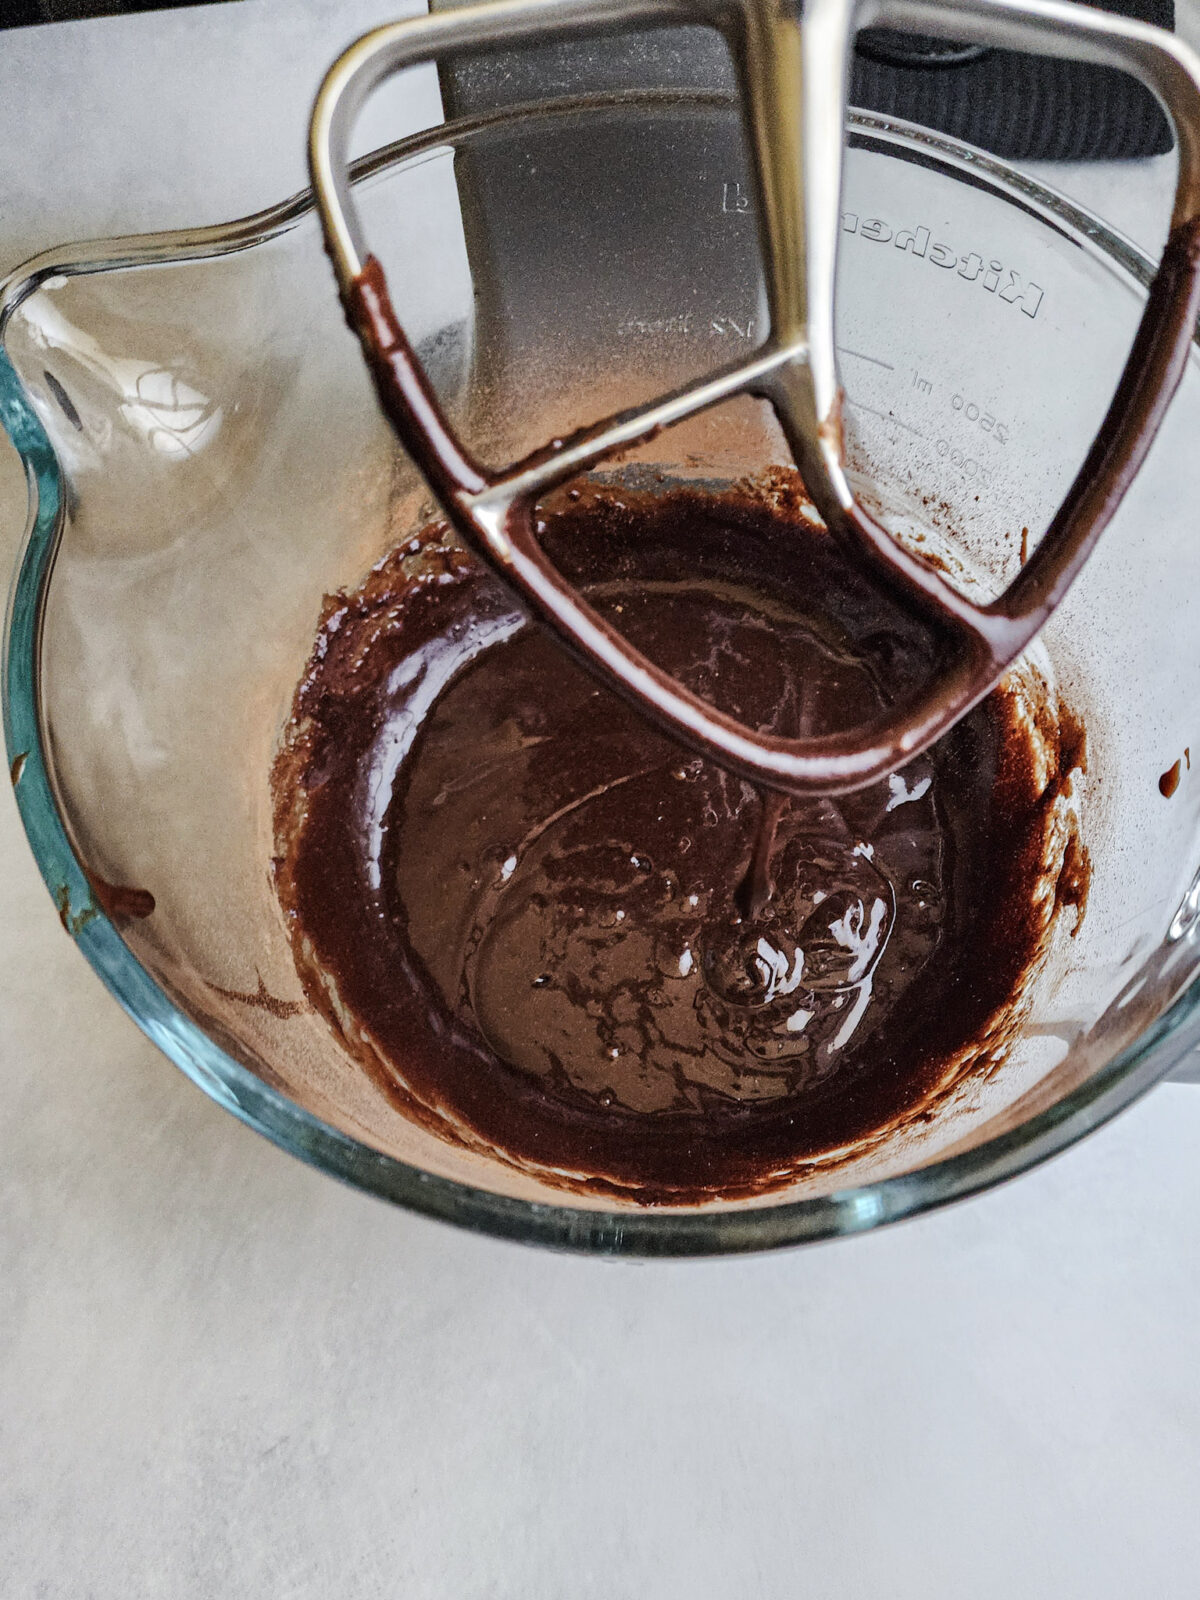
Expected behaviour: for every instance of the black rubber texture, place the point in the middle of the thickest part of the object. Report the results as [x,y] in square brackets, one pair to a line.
[1030,108]
[1019,106]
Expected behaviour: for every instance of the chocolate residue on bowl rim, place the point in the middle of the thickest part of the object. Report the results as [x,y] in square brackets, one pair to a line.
[1168,783]
[261,999]
[121,900]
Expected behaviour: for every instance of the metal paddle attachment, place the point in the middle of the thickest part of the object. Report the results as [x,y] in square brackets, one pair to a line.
[792,75]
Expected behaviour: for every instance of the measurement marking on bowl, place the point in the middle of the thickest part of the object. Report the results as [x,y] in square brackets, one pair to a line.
[888,416]
[844,350]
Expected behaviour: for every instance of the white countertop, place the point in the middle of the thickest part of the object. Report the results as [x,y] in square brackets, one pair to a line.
[224,1376]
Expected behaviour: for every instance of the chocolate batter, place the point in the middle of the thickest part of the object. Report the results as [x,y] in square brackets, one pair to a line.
[554,935]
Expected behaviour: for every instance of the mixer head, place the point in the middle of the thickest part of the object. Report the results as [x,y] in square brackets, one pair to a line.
[792,76]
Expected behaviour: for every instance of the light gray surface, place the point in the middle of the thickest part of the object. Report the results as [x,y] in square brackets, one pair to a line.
[221,1375]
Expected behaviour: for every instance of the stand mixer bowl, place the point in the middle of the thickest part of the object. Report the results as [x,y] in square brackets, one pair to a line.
[206,462]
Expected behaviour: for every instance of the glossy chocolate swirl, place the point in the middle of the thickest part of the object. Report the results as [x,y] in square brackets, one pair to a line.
[551,934]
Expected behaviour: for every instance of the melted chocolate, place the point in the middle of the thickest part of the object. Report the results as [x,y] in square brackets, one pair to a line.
[553,935]
[1169,781]
[119,900]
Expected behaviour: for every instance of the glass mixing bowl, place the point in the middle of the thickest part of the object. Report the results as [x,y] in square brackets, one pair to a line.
[206,461]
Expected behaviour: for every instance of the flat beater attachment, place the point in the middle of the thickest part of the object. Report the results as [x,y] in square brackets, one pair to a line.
[793,77]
